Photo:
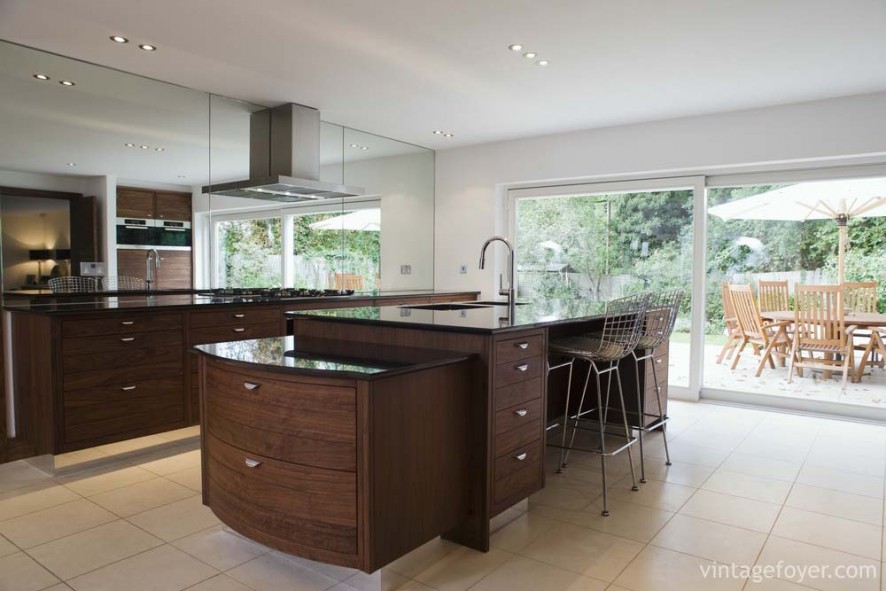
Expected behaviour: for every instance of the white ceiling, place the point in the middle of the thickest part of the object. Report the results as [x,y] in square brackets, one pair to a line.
[402,68]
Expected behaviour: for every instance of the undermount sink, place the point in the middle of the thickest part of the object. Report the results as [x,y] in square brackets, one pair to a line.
[491,303]
[446,306]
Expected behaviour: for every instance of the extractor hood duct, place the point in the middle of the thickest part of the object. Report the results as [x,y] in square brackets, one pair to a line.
[284,159]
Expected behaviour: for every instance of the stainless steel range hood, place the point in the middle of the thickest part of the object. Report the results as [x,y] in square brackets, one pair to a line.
[284,159]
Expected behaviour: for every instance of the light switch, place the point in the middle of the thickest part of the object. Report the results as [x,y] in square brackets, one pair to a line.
[405,269]
[463,269]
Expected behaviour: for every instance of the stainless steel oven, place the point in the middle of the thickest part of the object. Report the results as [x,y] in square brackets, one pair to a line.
[135,232]
[173,234]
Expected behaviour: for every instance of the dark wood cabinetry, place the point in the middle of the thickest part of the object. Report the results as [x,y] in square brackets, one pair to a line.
[174,271]
[147,203]
[172,206]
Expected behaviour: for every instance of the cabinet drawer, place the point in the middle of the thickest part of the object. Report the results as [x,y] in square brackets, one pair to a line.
[97,413]
[112,368]
[236,316]
[516,438]
[115,342]
[122,325]
[238,332]
[304,423]
[517,416]
[269,500]
[130,354]
[517,475]
[521,348]
[518,393]
[518,371]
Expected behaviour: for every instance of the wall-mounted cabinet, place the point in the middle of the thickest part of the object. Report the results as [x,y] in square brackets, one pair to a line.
[148,204]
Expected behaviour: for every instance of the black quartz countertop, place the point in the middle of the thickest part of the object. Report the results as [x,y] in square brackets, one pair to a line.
[472,317]
[327,358]
[89,303]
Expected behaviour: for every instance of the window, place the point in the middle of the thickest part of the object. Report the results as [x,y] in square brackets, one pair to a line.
[249,252]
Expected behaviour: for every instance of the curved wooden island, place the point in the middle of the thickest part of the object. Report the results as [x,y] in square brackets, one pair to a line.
[313,451]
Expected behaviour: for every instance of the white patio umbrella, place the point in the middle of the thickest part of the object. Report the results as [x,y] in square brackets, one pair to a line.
[367,220]
[821,200]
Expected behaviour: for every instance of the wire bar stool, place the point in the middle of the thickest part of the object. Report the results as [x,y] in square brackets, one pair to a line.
[661,316]
[622,328]
[72,284]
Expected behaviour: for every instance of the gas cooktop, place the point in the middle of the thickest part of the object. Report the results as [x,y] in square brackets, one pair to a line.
[238,294]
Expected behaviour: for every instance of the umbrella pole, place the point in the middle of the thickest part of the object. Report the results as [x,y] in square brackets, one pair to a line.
[841,253]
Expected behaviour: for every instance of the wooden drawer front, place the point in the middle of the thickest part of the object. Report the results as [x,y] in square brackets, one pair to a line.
[97,413]
[131,354]
[310,424]
[518,393]
[221,334]
[113,342]
[113,368]
[517,478]
[518,371]
[125,325]
[521,348]
[517,416]
[516,438]
[235,317]
[274,501]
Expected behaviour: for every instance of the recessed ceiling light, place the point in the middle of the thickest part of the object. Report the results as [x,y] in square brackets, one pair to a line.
[41,76]
[144,147]
[447,135]
[438,132]
[530,55]
[72,164]
[66,83]
[129,145]
[542,63]
[364,147]
[353,146]
[181,176]
[119,39]
[159,149]
[515,47]
[148,47]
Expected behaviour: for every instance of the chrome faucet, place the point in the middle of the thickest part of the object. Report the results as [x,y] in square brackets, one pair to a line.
[151,271]
[512,299]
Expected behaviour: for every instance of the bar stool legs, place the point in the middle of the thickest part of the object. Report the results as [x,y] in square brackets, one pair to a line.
[661,418]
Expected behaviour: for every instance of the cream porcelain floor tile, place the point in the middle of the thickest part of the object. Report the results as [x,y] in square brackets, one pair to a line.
[524,574]
[694,454]
[849,460]
[626,520]
[710,540]
[339,573]
[422,557]
[462,568]
[831,532]
[658,569]
[784,552]
[732,510]
[19,572]
[53,523]
[28,500]
[678,472]
[161,569]
[88,550]
[851,482]
[520,532]
[561,497]
[580,477]
[219,548]
[176,463]
[765,467]
[7,547]
[177,519]
[58,587]
[73,460]
[774,585]
[708,438]
[788,450]
[387,580]
[655,493]
[97,481]
[505,517]
[20,474]
[181,434]
[189,477]
[836,503]
[142,496]
[220,583]
[132,445]
[585,551]
[272,572]
[747,486]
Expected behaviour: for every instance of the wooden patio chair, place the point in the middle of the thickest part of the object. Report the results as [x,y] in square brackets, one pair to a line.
[348,281]
[819,328]
[861,296]
[733,332]
[774,295]
[770,337]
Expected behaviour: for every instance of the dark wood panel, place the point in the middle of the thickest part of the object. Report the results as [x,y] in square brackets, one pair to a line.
[305,423]
[518,459]
[519,415]
[308,506]
[519,479]
[126,324]
[131,263]
[519,370]
[135,203]
[221,334]
[101,365]
[170,364]
[519,348]
[173,206]
[175,270]
[513,394]
[84,232]
[235,316]
[516,438]
[116,342]
[33,387]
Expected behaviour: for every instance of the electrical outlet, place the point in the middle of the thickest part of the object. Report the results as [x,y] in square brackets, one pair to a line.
[463,269]
[405,312]
[405,269]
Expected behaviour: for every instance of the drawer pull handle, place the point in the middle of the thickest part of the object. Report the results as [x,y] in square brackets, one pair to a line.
[127,339]
[521,413]
[251,385]
[127,322]
[238,329]
[522,367]
[252,463]
[128,388]
[658,360]
[521,345]
[520,457]
[239,315]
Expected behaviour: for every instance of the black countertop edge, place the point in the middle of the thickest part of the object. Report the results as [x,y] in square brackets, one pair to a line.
[305,314]
[446,358]
[46,293]
[58,309]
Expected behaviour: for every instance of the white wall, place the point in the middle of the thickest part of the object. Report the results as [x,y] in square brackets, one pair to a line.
[472,182]
[31,223]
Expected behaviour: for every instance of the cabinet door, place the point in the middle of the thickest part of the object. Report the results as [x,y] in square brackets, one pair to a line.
[175,269]
[131,263]
[173,206]
[135,203]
